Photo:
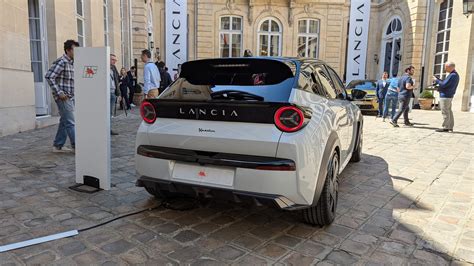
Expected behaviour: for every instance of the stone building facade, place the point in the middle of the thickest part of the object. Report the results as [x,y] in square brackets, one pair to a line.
[423,33]
[32,33]
[401,33]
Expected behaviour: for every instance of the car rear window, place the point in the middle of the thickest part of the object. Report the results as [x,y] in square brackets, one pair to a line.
[362,85]
[249,79]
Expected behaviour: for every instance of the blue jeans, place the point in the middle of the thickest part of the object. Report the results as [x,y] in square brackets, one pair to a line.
[112,103]
[403,109]
[390,101]
[66,123]
[112,107]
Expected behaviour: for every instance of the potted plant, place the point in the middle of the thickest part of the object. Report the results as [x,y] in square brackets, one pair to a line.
[426,100]
[138,95]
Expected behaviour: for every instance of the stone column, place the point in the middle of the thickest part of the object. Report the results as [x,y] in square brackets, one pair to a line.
[461,52]
[139,33]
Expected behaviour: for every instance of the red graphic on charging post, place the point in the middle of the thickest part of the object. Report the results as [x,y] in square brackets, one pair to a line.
[89,71]
[202,173]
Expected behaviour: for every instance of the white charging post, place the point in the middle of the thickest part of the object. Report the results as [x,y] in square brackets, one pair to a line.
[92,113]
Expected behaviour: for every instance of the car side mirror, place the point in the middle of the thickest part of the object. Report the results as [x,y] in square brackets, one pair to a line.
[358,94]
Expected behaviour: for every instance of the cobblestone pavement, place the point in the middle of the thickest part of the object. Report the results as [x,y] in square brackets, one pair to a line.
[409,201]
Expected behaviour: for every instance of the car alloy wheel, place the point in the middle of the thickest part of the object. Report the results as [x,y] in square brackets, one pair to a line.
[325,211]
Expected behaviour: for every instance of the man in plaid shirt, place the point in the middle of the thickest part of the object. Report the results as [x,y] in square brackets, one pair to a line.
[60,78]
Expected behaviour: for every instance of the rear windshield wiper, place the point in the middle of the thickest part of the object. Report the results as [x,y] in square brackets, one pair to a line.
[236,95]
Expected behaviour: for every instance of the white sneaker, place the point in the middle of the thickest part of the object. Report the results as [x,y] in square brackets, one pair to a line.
[63,150]
[132,105]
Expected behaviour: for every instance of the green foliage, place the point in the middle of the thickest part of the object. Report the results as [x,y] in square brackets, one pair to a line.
[426,94]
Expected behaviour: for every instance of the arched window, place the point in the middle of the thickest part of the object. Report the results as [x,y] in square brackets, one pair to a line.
[443,37]
[308,38]
[392,46]
[230,36]
[269,38]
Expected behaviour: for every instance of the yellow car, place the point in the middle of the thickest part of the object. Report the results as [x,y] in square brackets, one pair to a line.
[369,102]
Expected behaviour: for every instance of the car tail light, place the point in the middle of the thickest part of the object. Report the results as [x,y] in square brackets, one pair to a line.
[289,119]
[148,112]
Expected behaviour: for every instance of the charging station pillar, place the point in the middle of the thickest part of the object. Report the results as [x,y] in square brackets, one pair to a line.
[92,114]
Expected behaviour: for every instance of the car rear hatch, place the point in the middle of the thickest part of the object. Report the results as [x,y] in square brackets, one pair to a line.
[223,106]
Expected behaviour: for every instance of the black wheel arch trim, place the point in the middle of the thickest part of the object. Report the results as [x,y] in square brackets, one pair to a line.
[359,132]
[331,144]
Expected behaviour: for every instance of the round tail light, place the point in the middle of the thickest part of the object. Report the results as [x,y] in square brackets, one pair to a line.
[148,113]
[289,119]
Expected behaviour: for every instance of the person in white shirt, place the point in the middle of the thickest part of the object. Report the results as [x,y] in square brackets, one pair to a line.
[151,76]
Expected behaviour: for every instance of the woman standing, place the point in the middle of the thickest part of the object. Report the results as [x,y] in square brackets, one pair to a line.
[124,84]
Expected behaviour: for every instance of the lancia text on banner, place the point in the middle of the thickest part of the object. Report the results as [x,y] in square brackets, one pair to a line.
[176,34]
[358,38]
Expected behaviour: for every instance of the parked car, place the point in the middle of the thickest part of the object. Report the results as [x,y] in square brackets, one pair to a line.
[369,103]
[275,131]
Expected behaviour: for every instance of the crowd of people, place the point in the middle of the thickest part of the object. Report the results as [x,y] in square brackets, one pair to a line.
[391,93]
[123,86]
[398,92]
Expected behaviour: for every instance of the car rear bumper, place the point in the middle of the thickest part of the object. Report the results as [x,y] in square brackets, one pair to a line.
[277,201]
[271,177]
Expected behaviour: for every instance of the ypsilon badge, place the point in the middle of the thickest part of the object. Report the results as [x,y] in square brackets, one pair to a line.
[89,71]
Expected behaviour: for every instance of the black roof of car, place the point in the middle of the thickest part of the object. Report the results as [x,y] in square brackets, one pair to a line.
[276,58]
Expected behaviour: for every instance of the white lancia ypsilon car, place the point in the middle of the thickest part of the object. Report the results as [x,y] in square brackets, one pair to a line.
[272,131]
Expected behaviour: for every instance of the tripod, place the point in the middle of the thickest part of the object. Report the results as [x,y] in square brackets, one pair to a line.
[124,104]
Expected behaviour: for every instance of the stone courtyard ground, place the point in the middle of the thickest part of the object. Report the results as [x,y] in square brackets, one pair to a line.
[409,201]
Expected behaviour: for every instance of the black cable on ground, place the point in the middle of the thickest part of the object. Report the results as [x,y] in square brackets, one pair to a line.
[118,217]
[172,204]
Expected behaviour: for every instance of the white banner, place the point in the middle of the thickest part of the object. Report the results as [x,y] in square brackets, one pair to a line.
[176,34]
[358,38]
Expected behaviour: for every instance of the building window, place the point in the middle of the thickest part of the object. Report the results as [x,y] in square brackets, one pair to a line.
[80,22]
[443,37]
[308,38]
[35,40]
[392,47]
[269,38]
[230,36]
[106,23]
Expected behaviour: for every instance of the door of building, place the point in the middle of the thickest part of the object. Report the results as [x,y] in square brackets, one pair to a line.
[392,56]
[392,47]
[38,53]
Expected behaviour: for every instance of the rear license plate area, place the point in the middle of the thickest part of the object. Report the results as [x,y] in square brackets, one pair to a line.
[203,175]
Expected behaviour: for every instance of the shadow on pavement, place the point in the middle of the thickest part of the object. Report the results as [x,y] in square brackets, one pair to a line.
[454,132]
[376,223]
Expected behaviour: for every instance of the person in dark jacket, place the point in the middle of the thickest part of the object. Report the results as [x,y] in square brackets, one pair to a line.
[447,89]
[124,84]
[132,84]
[165,76]
[381,91]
